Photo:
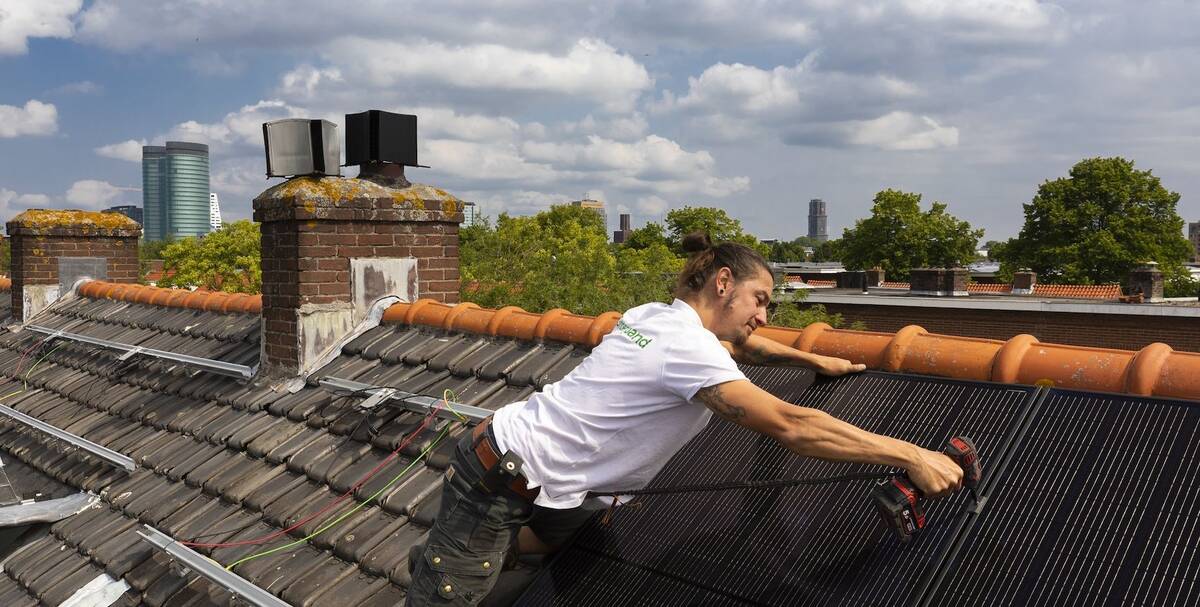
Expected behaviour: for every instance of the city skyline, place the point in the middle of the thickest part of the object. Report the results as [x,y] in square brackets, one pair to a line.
[647,107]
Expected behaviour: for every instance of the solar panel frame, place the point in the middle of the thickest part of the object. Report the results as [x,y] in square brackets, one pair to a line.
[919,408]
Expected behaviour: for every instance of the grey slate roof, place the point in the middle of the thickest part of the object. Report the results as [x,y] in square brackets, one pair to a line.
[228,461]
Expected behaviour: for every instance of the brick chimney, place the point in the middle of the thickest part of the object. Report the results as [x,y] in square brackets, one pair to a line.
[52,249]
[875,276]
[1024,281]
[1147,279]
[332,246]
[938,282]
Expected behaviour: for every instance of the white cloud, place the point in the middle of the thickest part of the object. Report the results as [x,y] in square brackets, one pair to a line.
[12,202]
[129,150]
[21,20]
[36,118]
[903,131]
[590,69]
[95,194]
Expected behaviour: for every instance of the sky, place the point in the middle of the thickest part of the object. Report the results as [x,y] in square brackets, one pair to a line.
[754,106]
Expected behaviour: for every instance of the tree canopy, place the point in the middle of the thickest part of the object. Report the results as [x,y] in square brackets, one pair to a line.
[719,225]
[898,237]
[1097,224]
[225,260]
[792,250]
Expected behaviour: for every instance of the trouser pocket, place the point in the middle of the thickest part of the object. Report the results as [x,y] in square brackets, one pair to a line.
[462,577]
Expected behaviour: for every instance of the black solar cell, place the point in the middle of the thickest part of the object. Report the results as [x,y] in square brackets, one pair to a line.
[793,546]
[1100,506]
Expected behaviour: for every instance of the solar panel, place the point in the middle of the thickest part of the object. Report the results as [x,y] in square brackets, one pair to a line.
[786,546]
[1099,506]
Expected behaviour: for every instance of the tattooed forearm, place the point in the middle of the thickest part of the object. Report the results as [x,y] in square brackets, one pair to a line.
[713,399]
[758,355]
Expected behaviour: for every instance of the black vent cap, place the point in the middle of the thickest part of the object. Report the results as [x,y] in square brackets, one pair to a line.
[379,136]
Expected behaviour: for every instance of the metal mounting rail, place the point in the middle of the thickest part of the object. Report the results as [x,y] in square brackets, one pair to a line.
[218,366]
[413,402]
[104,453]
[210,569]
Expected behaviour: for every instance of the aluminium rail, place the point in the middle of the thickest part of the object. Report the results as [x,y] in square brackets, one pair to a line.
[413,402]
[218,366]
[210,569]
[102,452]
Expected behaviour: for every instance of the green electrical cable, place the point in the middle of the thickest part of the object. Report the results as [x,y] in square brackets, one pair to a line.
[356,508]
[39,361]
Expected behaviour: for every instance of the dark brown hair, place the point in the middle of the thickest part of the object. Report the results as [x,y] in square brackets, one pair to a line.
[705,259]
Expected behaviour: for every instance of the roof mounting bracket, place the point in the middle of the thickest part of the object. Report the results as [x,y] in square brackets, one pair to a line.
[207,364]
[117,459]
[210,569]
[413,402]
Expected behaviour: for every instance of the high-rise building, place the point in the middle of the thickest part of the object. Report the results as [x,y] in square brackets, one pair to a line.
[214,212]
[1194,236]
[596,206]
[175,190]
[470,214]
[816,220]
[620,235]
[131,211]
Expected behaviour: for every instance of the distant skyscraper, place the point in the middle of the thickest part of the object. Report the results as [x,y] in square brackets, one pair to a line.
[816,220]
[470,214]
[131,211]
[596,206]
[214,212]
[1194,236]
[620,235]
[175,190]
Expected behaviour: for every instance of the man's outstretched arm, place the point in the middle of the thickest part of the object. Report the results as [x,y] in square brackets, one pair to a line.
[814,433]
[759,350]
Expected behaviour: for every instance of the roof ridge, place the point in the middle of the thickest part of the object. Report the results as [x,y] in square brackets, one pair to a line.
[211,301]
[5,284]
[1155,370]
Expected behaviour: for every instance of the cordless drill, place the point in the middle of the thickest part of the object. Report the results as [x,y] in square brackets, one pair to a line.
[898,500]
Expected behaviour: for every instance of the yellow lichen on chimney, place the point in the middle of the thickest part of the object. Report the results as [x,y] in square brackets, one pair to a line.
[337,189]
[42,219]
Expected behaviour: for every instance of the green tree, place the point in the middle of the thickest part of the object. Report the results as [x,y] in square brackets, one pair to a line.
[792,250]
[225,260]
[646,236]
[1097,224]
[150,250]
[898,237]
[719,225]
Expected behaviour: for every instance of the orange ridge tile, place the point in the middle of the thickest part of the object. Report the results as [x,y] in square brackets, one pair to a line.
[1109,291]
[1155,370]
[983,287]
[5,284]
[822,283]
[894,285]
[211,301]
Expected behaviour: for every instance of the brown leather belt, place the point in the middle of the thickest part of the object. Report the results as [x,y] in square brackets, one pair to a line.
[487,455]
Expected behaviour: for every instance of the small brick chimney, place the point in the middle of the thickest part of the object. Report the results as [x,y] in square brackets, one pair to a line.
[1024,281]
[52,249]
[1147,279]
[875,276]
[332,246]
[938,282]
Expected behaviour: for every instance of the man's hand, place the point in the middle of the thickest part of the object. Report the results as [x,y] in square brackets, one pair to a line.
[830,365]
[935,474]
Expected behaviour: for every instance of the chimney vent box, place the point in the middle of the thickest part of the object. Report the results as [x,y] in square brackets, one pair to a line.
[299,146]
[379,136]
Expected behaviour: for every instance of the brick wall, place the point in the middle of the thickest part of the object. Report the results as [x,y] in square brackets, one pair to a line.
[38,239]
[1125,332]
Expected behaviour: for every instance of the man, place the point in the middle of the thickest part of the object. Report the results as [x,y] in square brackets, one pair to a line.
[522,477]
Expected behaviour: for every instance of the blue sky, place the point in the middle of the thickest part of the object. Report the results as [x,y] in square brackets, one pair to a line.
[755,106]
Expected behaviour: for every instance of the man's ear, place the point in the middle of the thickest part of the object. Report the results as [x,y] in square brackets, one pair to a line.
[724,280]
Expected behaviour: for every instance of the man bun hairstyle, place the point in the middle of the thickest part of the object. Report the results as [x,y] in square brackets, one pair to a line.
[705,259]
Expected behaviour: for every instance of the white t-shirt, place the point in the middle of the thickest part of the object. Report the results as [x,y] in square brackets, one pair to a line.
[613,422]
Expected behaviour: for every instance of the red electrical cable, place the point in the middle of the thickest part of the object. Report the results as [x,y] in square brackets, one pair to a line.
[348,493]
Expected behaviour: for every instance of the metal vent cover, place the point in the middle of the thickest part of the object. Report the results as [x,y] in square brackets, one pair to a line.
[299,146]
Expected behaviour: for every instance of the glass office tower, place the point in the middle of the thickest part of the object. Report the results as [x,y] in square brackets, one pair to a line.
[175,189]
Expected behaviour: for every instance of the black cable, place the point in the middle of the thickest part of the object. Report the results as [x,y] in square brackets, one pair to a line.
[767,484]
